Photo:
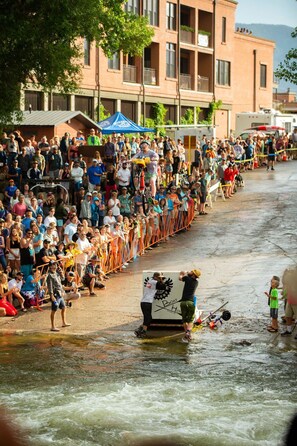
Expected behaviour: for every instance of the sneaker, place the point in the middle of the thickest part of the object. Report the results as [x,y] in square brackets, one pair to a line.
[185,340]
[286,333]
[272,168]
[126,264]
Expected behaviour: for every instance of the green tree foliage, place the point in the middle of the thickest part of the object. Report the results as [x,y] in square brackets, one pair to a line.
[40,42]
[287,70]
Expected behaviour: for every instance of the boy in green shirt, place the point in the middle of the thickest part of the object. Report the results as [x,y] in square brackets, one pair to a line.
[273,303]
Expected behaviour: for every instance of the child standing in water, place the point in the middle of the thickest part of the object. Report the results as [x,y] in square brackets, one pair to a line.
[273,304]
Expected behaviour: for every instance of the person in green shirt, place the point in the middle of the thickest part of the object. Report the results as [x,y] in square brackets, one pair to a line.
[93,139]
[273,303]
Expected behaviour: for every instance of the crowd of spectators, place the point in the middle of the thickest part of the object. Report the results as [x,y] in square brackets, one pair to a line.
[134,194]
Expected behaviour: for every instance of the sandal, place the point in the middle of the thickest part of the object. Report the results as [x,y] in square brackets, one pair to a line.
[272,330]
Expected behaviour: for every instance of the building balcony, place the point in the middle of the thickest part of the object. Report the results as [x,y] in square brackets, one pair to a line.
[186,36]
[203,39]
[185,81]
[150,76]
[129,73]
[203,84]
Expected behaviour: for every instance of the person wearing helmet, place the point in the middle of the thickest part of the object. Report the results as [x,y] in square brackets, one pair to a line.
[151,286]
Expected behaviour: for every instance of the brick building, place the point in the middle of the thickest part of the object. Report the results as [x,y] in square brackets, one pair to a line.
[195,57]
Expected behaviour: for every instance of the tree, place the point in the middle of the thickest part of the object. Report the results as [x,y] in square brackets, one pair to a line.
[287,70]
[41,42]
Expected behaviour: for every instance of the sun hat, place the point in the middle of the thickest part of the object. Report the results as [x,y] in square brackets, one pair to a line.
[197,272]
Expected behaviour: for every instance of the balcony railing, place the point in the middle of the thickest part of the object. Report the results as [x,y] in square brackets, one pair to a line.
[186,36]
[185,81]
[129,73]
[150,76]
[203,83]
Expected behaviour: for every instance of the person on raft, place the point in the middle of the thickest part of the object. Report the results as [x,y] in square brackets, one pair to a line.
[187,304]
[150,288]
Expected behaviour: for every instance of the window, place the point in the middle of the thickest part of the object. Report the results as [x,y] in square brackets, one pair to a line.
[224,22]
[85,104]
[114,62]
[171,16]
[87,60]
[33,98]
[263,76]
[170,60]
[223,72]
[132,6]
[60,102]
[151,10]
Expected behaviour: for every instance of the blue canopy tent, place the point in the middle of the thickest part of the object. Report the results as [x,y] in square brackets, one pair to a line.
[118,123]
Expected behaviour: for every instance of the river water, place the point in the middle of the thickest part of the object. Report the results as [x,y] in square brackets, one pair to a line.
[235,386]
[225,388]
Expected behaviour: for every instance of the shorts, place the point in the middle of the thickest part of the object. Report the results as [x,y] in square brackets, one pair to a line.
[59,303]
[188,310]
[271,157]
[274,313]
[291,311]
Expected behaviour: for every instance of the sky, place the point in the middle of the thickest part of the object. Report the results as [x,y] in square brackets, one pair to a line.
[273,12]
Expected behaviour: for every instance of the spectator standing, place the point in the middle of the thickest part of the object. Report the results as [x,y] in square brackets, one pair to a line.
[56,292]
[54,163]
[94,174]
[93,139]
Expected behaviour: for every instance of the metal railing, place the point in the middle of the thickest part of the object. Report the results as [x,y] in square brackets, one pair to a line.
[129,73]
[150,76]
[186,81]
[203,83]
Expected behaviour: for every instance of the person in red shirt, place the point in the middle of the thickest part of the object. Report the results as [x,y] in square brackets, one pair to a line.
[20,207]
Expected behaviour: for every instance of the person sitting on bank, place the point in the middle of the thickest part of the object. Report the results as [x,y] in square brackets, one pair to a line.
[70,287]
[93,275]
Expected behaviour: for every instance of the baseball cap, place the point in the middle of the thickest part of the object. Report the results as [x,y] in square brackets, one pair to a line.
[46,240]
[95,161]
[96,199]
[88,194]
[52,262]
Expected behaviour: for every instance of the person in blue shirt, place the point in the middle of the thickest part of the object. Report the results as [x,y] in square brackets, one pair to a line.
[94,173]
[15,172]
[26,222]
[9,192]
[161,193]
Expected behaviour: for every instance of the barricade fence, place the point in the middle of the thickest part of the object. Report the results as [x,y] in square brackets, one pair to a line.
[128,245]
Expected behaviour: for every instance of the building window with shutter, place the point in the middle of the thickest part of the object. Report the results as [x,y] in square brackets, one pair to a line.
[132,6]
[151,11]
[170,60]
[87,50]
[223,72]
[171,16]
[114,62]
[263,76]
